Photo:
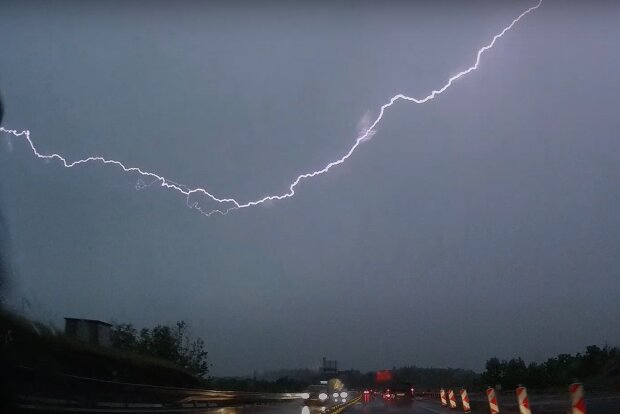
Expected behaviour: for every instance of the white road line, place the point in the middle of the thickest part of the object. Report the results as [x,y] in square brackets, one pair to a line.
[430,409]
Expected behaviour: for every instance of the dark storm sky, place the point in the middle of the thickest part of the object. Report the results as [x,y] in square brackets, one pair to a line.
[482,223]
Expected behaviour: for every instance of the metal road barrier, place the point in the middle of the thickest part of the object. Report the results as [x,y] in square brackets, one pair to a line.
[44,390]
[427,394]
[339,408]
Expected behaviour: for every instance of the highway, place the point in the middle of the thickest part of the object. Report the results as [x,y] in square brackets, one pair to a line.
[46,392]
[546,404]
[377,406]
[601,404]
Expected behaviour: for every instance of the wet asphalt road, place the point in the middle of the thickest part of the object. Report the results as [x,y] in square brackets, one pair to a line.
[556,404]
[600,404]
[540,405]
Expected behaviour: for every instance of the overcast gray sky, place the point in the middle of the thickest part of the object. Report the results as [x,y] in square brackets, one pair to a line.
[482,223]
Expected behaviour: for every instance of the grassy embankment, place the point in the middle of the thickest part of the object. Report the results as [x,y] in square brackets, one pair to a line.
[29,344]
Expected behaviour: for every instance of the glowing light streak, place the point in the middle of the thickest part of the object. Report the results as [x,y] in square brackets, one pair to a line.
[230,204]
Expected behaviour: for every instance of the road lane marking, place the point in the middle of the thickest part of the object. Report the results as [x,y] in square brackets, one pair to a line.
[430,409]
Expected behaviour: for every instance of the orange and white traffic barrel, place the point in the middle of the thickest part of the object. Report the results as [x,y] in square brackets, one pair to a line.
[524,402]
[493,406]
[465,400]
[452,399]
[578,404]
[442,395]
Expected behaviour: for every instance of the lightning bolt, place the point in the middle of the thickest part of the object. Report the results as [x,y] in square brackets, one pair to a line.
[230,204]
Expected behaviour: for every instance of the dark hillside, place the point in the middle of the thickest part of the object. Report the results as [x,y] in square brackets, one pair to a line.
[32,345]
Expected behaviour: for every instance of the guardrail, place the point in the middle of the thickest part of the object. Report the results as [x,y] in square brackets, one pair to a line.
[339,408]
[36,389]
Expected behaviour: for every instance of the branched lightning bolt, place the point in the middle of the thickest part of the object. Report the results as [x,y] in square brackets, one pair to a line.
[230,204]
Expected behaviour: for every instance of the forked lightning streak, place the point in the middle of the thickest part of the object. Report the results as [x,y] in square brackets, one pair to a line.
[230,204]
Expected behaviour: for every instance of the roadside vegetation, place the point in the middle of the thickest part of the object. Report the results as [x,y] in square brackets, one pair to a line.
[170,343]
[34,346]
[171,356]
[597,367]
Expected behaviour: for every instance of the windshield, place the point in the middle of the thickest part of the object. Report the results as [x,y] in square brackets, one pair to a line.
[207,205]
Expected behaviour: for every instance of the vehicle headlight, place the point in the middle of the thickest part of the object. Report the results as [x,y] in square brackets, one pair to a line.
[344,400]
[344,394]
[335,395]
[305,395]
[323,396]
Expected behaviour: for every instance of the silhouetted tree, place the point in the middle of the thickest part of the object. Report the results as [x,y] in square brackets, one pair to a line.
[173,344]
[124,336]
[434,377]
[555,372]
[494,372]
[515,374]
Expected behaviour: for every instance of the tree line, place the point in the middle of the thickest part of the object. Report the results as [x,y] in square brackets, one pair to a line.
[175,344]
[596,364]
[171,343]
[421,378]
[599,366]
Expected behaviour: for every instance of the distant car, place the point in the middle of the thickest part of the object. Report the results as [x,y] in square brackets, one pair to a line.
[317,395]
[401,392]
[339,397]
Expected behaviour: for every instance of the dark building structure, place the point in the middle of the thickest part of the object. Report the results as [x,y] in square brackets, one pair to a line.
[89,330]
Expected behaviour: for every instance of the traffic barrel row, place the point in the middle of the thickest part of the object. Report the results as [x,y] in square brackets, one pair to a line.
[451,399]
[578,405]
